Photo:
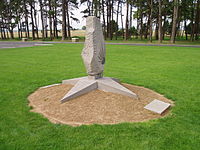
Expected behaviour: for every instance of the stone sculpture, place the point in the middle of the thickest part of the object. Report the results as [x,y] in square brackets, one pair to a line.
[93,55]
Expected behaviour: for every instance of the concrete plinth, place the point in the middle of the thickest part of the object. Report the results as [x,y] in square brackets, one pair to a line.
[84,85]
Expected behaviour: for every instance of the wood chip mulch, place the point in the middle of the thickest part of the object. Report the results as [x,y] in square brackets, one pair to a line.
[95,107]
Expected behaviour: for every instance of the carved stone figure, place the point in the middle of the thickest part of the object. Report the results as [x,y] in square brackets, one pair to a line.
[93,53]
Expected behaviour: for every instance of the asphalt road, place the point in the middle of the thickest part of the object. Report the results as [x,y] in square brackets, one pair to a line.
[30,44]
[21,44]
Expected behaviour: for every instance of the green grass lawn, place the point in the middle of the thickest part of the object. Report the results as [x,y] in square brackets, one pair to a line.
[172,71]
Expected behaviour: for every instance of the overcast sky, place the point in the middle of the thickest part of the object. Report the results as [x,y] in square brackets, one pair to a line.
[77,13]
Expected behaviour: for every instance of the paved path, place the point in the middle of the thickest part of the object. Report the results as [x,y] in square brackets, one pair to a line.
[30,44]
[21,44]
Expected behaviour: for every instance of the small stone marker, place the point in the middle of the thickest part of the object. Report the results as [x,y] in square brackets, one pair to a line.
[24,39]
[75,39]
[157,106]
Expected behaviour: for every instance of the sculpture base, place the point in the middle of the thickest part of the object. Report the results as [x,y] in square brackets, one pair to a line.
[86,84]
[95,76]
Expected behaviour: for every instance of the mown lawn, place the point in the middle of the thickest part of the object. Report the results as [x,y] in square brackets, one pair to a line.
[172,71]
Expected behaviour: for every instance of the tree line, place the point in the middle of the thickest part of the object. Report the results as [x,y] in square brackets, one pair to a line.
[155,19]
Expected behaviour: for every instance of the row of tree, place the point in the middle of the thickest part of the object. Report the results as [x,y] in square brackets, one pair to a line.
[154,18]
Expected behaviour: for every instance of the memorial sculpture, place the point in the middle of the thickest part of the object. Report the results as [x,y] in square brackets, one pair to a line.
[93,55]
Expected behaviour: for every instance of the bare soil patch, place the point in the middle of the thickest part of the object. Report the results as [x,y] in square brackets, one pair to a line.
[96,107]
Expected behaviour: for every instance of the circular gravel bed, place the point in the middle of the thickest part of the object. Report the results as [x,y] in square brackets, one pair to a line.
[95,107]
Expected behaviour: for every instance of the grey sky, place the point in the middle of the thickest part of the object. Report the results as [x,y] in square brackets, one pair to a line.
[77,13]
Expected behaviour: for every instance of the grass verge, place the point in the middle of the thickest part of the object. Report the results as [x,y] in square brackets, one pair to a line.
[172,71]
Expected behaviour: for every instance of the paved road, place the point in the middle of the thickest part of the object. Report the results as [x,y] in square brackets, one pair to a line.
[21,44]
[30,44]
